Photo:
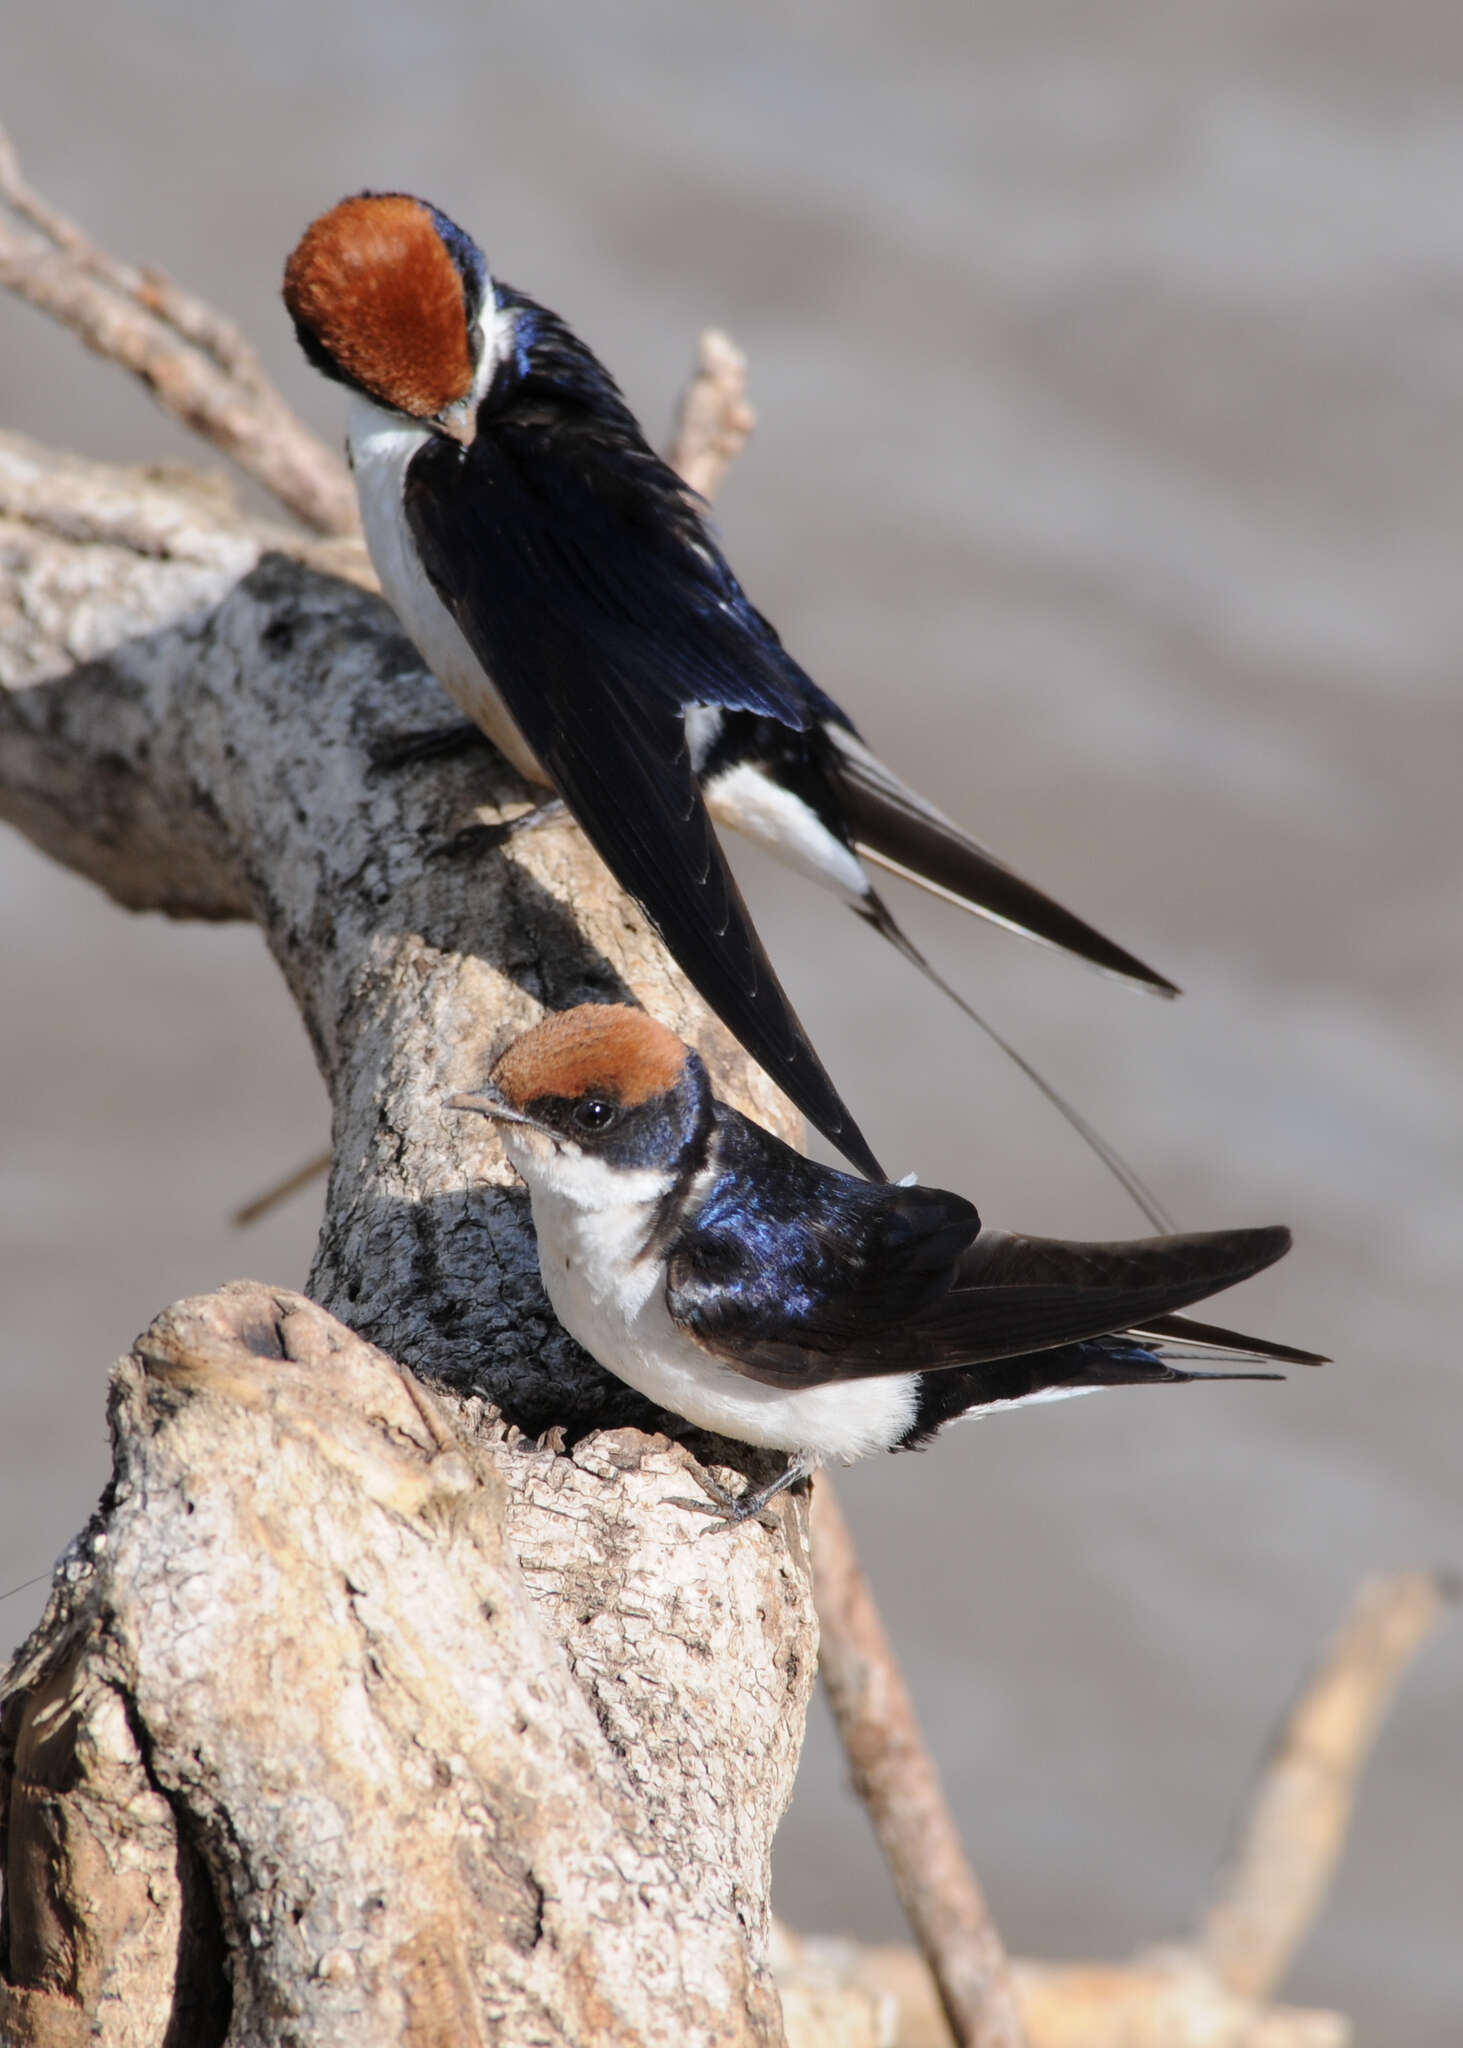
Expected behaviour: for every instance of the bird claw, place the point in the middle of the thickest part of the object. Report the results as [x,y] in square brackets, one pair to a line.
[407,749]
[726,1513]
[475,840]
[729,1510]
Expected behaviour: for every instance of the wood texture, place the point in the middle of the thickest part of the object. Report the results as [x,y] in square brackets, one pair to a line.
[436,1738]
[203,721]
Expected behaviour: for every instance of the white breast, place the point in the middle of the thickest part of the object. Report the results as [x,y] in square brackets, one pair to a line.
[590,1236]
[381,445]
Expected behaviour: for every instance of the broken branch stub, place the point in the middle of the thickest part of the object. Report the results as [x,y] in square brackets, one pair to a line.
[357,1689]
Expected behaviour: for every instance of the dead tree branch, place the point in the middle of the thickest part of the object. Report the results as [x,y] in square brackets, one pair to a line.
[1215,1992]
[714,420]
[336,1755]
[1301,1809]
[566,1739]
[195,363]
[895,1776]
[713,423]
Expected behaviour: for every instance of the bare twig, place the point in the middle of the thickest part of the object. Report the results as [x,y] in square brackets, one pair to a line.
[1298,1818]
[1218,1989]
[895,1777]
[714,421]
[271,1197]
[1163,2000]
[196,364]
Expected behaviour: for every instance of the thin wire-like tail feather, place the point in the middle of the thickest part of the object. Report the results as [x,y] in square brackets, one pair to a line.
[875,912]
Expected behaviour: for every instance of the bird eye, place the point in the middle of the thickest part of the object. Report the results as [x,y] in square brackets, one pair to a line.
[594,1113]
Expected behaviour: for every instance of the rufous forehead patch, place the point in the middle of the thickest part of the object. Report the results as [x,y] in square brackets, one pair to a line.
[373,281]
[599,1048]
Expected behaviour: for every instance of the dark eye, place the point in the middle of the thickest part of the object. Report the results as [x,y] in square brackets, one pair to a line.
[594,1114]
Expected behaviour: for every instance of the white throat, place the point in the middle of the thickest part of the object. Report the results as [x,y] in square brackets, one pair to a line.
[381,445]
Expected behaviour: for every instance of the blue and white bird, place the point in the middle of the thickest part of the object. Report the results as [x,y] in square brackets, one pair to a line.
[771,1299]
[563,585]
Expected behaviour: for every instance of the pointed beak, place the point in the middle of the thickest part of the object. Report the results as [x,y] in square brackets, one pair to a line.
[488,1102]
[458,421]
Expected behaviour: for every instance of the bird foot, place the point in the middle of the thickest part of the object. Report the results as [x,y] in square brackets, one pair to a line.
[727,1513]
[474,840]
[728,1510]
[436,743]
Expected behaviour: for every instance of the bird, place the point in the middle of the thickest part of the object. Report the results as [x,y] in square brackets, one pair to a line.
[769,1298]
[565,587]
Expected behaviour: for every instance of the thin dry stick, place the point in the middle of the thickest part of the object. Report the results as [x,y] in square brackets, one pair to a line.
[195,363]
[714,421]
[894,1774]
[1278,1877]
[261,1204]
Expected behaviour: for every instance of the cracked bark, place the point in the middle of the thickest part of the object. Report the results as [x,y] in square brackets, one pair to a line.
[358,1714]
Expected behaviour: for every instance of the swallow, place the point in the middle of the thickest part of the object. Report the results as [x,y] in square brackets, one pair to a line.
[564,586]
[766,1297]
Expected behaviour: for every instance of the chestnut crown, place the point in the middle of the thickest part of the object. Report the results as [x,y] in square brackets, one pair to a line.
[384,292]
[604,1050]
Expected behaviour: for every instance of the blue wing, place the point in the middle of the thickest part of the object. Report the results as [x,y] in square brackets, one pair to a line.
[798,1277]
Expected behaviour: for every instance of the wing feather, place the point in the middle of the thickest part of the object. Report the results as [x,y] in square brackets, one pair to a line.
[599,627]
[907,1282]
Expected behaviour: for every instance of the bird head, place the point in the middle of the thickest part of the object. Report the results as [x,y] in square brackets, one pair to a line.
[595,1098]
[388,296]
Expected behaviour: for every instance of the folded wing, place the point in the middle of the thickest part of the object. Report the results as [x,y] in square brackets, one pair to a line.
[599,629]
[890,1306]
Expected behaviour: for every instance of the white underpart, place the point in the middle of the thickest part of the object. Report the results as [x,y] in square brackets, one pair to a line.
[592,1223]
[753,803]
[381,445]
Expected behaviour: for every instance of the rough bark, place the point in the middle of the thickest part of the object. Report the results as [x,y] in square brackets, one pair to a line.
[437,1738]
[200,719]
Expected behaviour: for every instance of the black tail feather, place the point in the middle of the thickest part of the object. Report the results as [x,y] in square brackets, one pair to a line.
[1198,1338]
[1121,1361]
[893,826]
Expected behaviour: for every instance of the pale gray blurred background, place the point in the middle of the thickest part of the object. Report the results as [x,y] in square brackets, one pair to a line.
[1110,471]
